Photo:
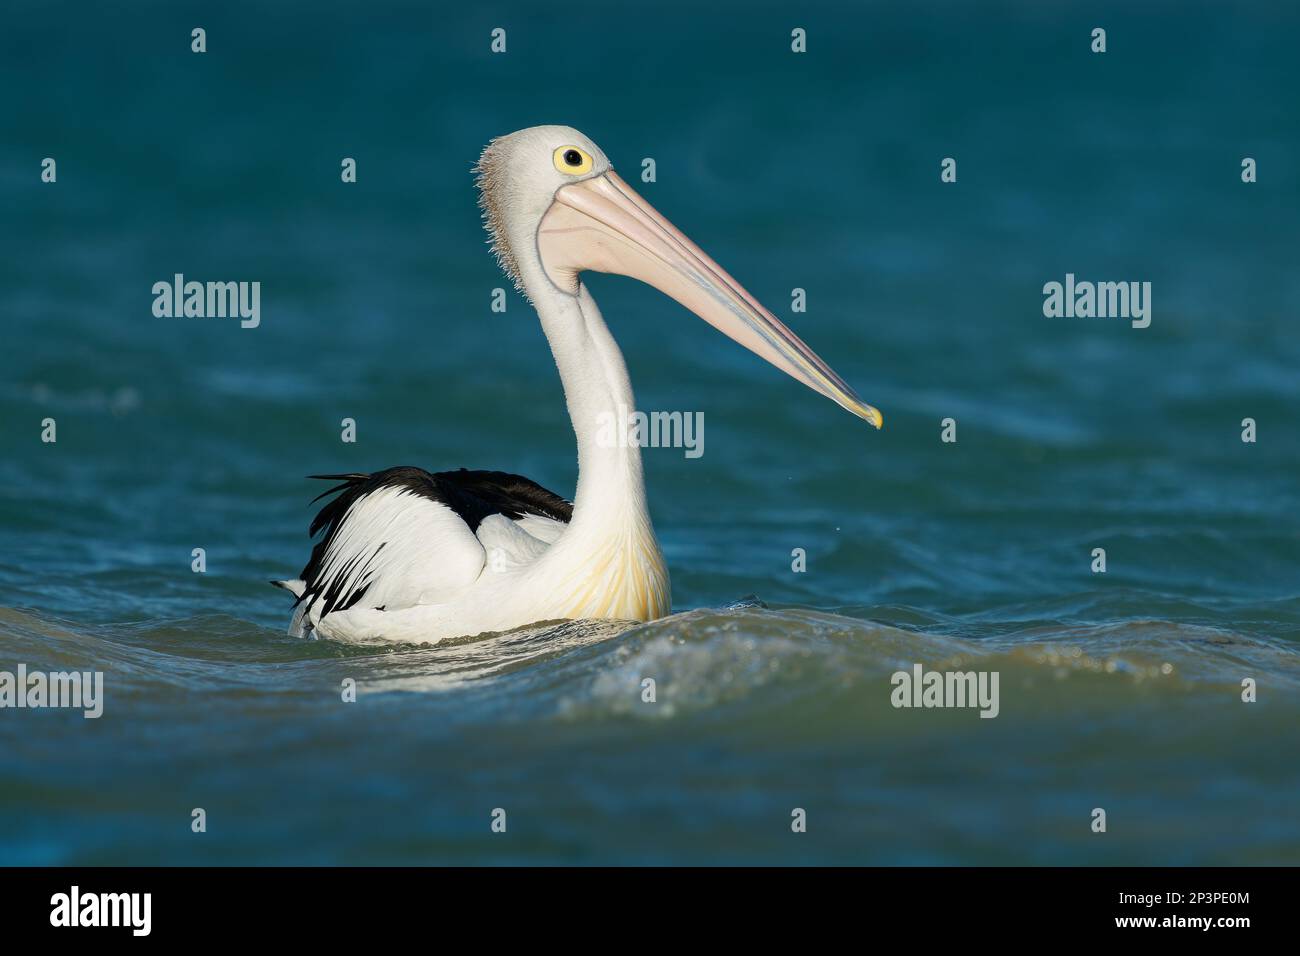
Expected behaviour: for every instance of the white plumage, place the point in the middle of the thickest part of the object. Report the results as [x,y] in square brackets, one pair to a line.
[391,544]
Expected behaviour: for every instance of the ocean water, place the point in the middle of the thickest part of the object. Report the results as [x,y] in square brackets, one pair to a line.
[819,171]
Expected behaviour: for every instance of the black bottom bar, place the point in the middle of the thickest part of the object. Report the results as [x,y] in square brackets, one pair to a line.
[333,905]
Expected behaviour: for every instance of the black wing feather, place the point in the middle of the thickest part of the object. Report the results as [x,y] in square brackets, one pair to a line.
[472,495]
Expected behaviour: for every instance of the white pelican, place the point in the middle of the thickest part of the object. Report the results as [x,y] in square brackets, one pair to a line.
[409,555]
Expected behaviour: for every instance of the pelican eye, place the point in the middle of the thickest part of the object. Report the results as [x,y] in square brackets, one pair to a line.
[572,161]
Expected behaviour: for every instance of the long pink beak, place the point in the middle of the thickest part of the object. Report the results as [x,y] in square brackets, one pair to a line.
[601,224]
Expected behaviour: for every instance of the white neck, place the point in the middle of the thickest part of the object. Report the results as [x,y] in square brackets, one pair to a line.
[607,564]
[611,489]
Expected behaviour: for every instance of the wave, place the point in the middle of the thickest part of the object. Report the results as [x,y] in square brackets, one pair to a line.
[699,660]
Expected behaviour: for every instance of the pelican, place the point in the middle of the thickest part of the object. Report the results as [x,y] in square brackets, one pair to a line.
[409,555]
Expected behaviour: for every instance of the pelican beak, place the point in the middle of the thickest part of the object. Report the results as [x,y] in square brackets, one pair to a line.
[601,224]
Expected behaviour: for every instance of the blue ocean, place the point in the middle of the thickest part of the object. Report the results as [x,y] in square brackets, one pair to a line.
[812,557]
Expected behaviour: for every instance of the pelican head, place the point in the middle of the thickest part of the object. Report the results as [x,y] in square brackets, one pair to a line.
[554,208]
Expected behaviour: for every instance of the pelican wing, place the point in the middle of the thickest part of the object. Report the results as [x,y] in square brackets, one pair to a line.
[404,537]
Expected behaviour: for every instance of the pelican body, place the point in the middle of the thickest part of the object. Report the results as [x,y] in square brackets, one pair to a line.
[416,556]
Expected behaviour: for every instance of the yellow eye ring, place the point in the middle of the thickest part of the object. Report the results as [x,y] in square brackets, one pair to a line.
[572,161]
